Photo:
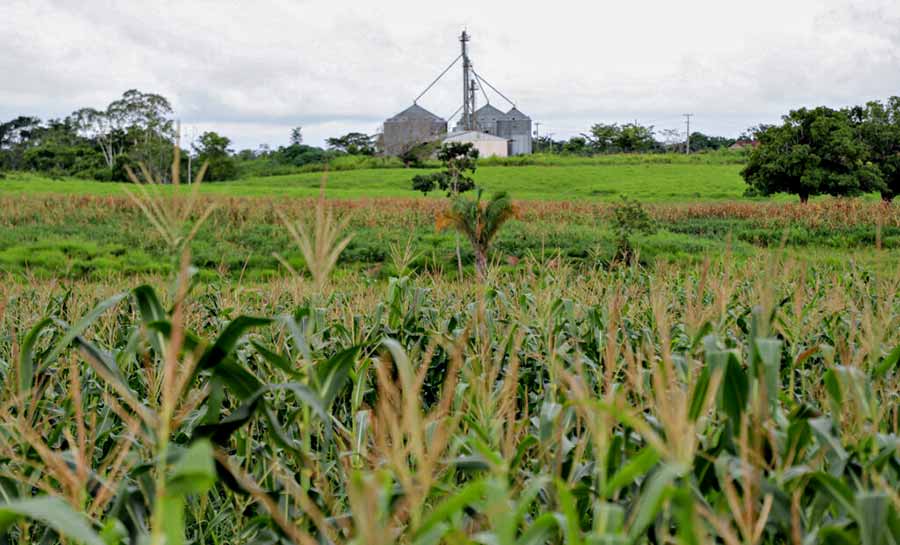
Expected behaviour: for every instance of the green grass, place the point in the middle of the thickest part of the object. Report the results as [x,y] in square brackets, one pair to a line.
[650,182]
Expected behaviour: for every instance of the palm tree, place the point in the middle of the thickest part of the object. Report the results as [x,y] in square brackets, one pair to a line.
[479,222]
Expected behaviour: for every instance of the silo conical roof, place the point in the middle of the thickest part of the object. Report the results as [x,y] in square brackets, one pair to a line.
[488,111]
[515,114]
[414,112]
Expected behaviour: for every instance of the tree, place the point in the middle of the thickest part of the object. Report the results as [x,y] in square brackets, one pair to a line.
[813,152]
[143,122]
[297,136]
[16,136]
[577,145]
[212,149]
[354,143]
[479,222]
[460,160]
[673,140]
[702,142]
[878,126]
[102,128]
[633,138]
[629,219]
[603,137]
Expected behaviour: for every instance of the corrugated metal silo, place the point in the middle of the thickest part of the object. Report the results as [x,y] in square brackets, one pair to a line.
[412,126]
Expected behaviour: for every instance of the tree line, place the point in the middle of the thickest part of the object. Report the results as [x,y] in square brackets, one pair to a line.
[825,151]
[139,129]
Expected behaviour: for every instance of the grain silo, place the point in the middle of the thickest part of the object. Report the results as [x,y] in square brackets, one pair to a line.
[487,118]
[516,127]
[414,125]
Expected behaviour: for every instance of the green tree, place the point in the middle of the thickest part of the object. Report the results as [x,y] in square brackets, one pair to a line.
[577,145]
[297,136]
[354,143]
[460,161]
[212,149]
[479,222]
[703,142]
[629,219]
[878,126]
[635,138]
[16,136]
[603,137]
[813,152]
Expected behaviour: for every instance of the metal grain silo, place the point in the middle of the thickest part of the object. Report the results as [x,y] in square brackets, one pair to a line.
[414,125]
[487,118]
[516,127]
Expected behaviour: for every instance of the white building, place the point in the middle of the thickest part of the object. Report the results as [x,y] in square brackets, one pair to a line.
[487,145]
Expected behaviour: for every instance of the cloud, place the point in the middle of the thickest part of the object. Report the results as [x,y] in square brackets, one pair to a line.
[254,70]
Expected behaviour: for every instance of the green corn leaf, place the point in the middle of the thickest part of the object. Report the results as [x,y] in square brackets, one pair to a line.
[541,530]
[332,375]
[837,490]
[569,519]
[27,356]
[467,495]
[638,465]
[194,472]
[872,509]
[888,363]
[52,512]
[735,390]
[769,353]
[73,331]
[653,495]
[698,396]
[151,311]
[226,342]
[276,360]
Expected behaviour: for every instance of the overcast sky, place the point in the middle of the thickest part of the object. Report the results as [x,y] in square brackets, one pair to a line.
[252,70]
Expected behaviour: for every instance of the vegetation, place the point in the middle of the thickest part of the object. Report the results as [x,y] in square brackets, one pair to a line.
[459,161]
[670,180]
[825,151]
[98,237]
[814,152]
[479,222]
[630,219]
[750,403]
[556,401]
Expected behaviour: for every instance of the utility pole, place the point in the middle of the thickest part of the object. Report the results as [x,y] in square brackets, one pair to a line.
[537,130]
[687,146]
[550,142]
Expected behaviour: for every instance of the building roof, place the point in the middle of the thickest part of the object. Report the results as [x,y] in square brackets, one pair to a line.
[472,136]
[516,115]
[489,111]
[414,112]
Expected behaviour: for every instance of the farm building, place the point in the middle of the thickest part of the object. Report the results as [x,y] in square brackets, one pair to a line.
[416,125]
[487,144]
[516,127]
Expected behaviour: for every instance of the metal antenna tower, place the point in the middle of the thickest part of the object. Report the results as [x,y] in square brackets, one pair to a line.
[468,115]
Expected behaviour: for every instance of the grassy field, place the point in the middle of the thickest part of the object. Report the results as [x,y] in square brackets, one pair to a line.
[92,236]
[648,182]
[170,373]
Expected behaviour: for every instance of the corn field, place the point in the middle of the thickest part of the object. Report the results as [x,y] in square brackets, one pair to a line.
[711,403]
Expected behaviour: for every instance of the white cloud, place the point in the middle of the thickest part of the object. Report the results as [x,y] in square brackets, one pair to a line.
[255,69]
